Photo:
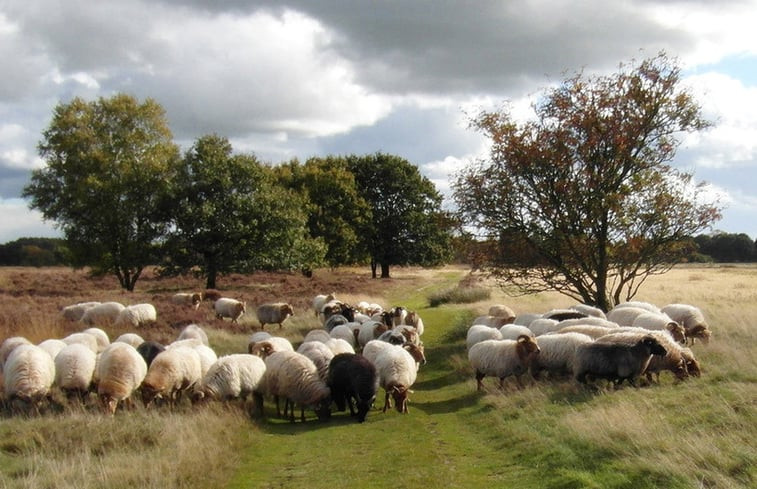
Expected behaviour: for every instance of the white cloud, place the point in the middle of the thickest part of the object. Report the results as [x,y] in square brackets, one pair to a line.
[16,220]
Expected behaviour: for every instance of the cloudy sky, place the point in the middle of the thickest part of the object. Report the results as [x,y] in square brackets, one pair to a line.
[288,78]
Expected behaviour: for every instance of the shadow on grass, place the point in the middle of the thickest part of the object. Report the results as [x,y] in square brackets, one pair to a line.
[451,405]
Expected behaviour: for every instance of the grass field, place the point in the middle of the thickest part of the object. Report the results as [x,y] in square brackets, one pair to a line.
[697,433]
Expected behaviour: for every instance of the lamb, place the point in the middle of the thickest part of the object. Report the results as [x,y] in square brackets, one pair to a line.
[137,315]
[660,322]
[74,369]
[226,307]
[294,377]
[615,361]
[480,332]
[275,313]
[556,353]
[120,372]
[672,360]
[232,376]
[194,331]
[692,319]
[132,339]
[171,372]
[28,375]
[187,299]
[544,325]
[625,315]
[102,314]
[266,347]
[397,371]
[320,354]
[502,358]
[512,331]
[501,310]
[353,378]
[74,312]
[370,330]
[149,350]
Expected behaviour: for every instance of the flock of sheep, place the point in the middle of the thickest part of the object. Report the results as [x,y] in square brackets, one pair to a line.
[356,351]
[631,340]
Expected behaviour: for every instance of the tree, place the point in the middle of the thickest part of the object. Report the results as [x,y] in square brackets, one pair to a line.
[228,216]
[408,226]
[108,162]
[581,199]
[727,247]
[336,211]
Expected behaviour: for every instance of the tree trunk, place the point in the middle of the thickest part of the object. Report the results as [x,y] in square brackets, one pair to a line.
[373,268]
[212,272]
[384,270]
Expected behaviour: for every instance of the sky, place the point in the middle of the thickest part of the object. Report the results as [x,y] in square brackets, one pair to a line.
[295,79]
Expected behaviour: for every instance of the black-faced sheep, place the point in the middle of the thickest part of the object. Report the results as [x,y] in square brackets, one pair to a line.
[353,378]
[502,358]
[275,313]
[673,360]
[615,361]
[149,350]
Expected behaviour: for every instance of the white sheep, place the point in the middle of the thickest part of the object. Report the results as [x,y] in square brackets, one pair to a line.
[74,369]
[338,345]
[102,314]
[137,315]
[492,321]
[347,332]
[101,336]
[320,335]
[52,346]
[320,300]
[370,330]
[84,338]
[10,344]
[74,312]
[692,319]
[659,321]
[232,376]
[397,371]
[226,307]
[624,315]
[589,330]
[639,304]
[294,377]
[28,374]
[502,358]
[589,311]
[480,332]
[320,354]
[525,319]
[271,345]
[275,313]
[544,325]
[187,299]
[132,339]
[194,331]
[512,331]
[501,310]
[120,371]
[171,372]
[590,320]
[208,357]
[556,353]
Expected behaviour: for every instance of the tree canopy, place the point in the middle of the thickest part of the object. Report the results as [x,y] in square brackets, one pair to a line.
[107,167]
[582,199]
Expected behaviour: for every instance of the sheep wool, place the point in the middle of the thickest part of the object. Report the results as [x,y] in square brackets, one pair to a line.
[75,368]
[194,331]
[397,372]
[101,336]
[74,312]
[480,332]
[137,315]
[120,372]
[102,314]
[275,313]
[28,374]
[232,376]
[502,358]
[171,372]
[226,307]
[132,339]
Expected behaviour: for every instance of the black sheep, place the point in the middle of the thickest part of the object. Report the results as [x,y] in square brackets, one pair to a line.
[149,350]
[352,376]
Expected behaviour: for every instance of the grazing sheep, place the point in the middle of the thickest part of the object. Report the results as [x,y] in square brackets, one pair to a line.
[74,369]
[120,372]
[660,322]
[556,353]
[74,312]
[317,335]
[294,377]
[589,330]
[492,321]
[149,350]
[187,299]
[502,358]
[589,311]
[480,332]
[265,348]
[639,304]
[347,332]
[226,307]
[338,345]
[625,315]
[275,313]
[171,372]
[207,357]
[320,354]
[10,344]
[28,374]
[101,336]
[132,339]
[672,360]
[353,378]
[544,325]
[501,310]
[692,365]
[83,338]
[589,320]
[333,321]
[397,371]
[52,346]
[692,319]
[259,336]
[194,331]
[512,331]
[615,361]
[102,314]
[232,376]
[370,330]
[137,315]
[392,336]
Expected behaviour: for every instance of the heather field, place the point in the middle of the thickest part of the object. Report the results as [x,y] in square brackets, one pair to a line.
[550,434]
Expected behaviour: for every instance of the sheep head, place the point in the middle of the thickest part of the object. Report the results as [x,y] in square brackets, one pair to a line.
[526,348]
[676,331]
[654,346]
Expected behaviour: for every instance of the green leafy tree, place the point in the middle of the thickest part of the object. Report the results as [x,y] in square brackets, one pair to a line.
[107,167]
[336,211]
[408,225]
[229,216]
[582,199]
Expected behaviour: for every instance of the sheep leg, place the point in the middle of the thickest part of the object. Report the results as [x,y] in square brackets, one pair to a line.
[387,402]
[479,378]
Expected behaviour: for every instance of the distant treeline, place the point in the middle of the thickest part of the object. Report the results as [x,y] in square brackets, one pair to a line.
[719,247]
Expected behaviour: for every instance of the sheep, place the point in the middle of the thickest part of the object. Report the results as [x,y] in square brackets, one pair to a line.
[10,344]
[194,331]
[317,335]
[501,310]
[171,372]
[692,319]
[392,336]
[137,315]
[543,326]
[672,360]
[132,339]
[692,365]
[353,378]
[52,346]
[187,299]
[625,315]
[659,322]
[149,350]
[84,338]
[414,319]
[265,348]
[512,331]
[589,320]
[525,319]
[589,330]
[101,336]
[259,336]
[480,332]
[120,371]
[333,321]
[207,357]
[74,312]
[102,314]
[492,321]
[563,314]
[615,362]
[232,376]
[346,332]
[338,345]
[397,371]
[399,314]
[320,354]
[275,313]
[556,353]
[74,369]
[226,307]
[589,311]
[639,304]
[294,377]
[28,375]
[320,300]
[502,358]
[370,330]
